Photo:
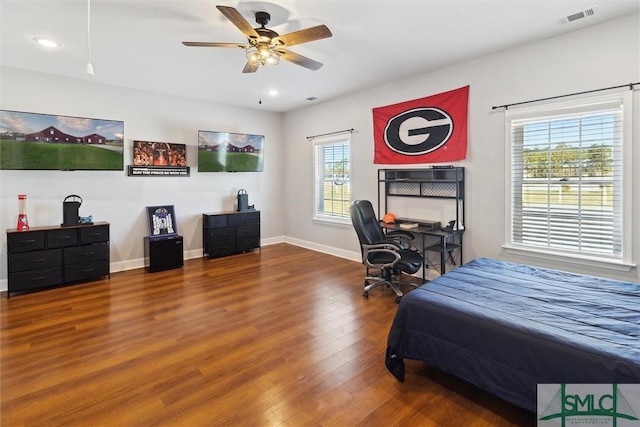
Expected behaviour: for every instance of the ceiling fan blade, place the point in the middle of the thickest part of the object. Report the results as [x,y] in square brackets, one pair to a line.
[303,36]
[250,68]
[297,59]
[238,20]
[213,44]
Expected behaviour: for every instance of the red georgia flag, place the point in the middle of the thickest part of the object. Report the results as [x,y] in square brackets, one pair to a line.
[425,130]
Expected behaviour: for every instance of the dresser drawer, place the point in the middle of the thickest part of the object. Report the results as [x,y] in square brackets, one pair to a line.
[78,254]
[85,270]
[25,241]
[222,233]
[224,247]
[249,230]
[95,234]
[62,237]
[248,243]
[242,218]
[34,260]
[216,221]
[35,279]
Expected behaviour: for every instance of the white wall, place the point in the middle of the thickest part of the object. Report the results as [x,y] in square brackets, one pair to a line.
[113,196]
[599,56]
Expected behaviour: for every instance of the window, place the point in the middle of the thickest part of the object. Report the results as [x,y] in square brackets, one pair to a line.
[332,179]
[570,186]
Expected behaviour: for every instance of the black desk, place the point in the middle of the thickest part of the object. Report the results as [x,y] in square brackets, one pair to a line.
[447,244]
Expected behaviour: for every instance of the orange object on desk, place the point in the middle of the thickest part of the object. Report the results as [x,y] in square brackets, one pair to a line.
[389,218]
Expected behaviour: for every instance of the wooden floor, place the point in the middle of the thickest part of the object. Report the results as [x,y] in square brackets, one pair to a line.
[277,337]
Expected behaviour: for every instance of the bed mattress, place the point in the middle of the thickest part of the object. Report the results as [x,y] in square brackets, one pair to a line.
[507,327]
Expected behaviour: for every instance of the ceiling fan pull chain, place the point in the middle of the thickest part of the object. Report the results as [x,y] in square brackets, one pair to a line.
[260,86]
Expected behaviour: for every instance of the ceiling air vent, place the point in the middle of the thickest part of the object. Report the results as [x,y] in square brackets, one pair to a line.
[576,16]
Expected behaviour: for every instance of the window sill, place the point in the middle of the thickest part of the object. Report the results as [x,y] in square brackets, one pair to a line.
[343,222]
[582,260]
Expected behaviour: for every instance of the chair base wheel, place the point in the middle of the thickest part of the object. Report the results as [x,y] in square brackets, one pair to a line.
[398,300]
[365,295]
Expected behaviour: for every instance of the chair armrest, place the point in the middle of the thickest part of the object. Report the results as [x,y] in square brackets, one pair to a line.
[395,244]
[401,238]
[386,247]
[401,234]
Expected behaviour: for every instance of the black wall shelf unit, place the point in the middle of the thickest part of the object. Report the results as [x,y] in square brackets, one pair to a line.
[434,182]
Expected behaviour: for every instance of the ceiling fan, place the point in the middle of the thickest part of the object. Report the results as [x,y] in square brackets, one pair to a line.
[265,46]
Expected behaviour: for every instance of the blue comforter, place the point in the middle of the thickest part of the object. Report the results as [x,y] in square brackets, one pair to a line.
[506,327]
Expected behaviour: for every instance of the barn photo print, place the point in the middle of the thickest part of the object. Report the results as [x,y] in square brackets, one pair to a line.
[50,142]
[230,152]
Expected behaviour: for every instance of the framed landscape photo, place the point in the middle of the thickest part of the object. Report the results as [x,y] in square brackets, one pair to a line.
[48,142]
[161,221]
[230,152]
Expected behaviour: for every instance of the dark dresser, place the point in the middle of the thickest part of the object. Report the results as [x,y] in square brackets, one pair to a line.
[227,233]
[43,257]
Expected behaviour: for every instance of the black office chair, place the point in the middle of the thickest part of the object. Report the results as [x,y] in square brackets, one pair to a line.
[385,254]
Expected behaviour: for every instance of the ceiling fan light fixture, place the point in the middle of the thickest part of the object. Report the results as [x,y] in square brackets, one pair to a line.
[265,46]
[262,55]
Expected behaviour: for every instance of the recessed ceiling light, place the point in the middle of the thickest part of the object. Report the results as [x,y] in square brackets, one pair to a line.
[272,92]
[47,42]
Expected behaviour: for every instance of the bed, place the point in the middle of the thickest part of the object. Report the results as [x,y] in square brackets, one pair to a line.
[506,327]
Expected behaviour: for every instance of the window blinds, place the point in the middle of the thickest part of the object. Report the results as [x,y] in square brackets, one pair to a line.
[332,164]
[567,179]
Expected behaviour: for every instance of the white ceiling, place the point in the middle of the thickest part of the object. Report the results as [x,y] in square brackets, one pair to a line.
[137,43]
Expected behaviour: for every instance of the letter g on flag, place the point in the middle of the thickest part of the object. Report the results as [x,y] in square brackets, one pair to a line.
[418,131]
[424,130]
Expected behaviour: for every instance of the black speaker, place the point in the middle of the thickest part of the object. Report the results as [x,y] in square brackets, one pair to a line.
[70,210]
[243,200]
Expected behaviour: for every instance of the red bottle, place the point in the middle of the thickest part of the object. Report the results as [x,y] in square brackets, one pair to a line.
[23,222]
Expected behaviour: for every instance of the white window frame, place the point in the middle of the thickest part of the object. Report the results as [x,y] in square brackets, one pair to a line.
[623,262]
[319,179]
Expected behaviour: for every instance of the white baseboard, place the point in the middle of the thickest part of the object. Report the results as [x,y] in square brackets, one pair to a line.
[350,255]
[272,240]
